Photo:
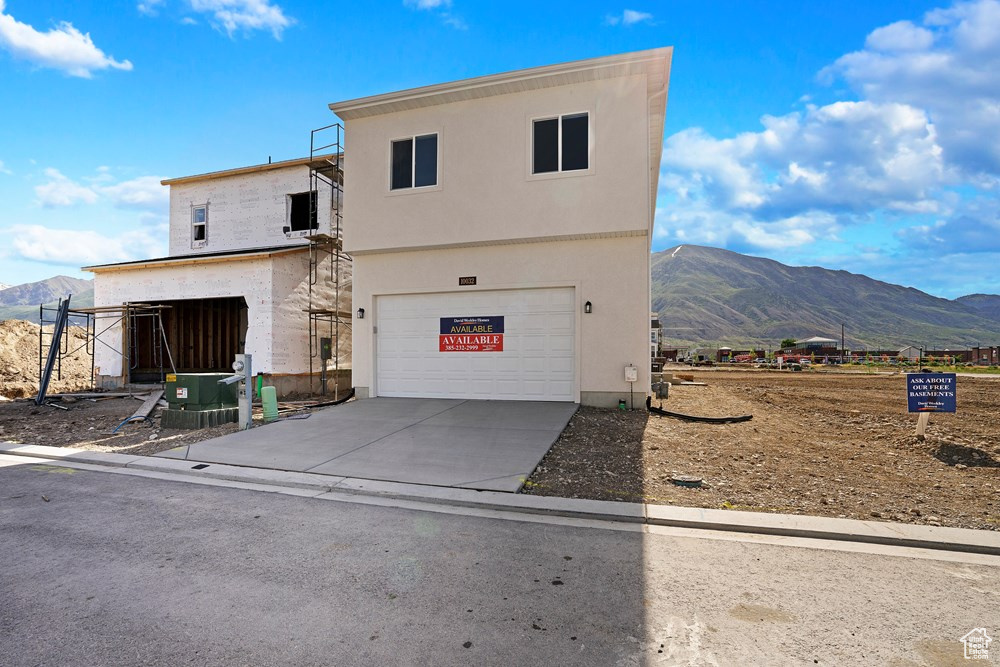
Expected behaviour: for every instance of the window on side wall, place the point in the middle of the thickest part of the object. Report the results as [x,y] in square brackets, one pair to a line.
[560,143]
[414,162]
[302,209]
[199,225]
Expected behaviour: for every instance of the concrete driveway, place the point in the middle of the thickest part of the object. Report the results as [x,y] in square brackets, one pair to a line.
[490,445]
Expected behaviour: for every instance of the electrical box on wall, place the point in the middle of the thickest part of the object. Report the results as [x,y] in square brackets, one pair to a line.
[631,373]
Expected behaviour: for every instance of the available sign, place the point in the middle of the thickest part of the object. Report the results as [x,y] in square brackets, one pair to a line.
[471,334]
[930,392]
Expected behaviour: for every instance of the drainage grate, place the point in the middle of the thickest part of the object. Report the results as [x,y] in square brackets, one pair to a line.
[200,466]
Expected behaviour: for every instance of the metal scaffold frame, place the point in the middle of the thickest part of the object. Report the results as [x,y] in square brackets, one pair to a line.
[326,173]
[125,315]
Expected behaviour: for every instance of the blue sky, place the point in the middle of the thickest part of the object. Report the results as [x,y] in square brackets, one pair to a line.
[853,135]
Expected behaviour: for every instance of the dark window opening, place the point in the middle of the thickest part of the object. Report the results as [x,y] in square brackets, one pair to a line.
[402,164]
[574,142]
[302,211]
[561,144]
[414,162]
[546,148]
[426,162]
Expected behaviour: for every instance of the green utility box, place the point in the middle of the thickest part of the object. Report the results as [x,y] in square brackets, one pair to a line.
[199,400]
[201,391]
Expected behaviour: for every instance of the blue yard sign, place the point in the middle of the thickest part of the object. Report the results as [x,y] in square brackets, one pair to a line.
[930,392]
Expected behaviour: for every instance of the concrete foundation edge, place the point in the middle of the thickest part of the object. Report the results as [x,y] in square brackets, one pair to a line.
[609,399]
[597,399]
[849,530]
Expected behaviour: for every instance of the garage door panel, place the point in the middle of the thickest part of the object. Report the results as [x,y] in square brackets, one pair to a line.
[538,360]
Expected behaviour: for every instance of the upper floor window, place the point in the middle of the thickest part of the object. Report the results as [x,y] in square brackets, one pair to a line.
[302,209]
[199,225]
[414,162]
[560,144]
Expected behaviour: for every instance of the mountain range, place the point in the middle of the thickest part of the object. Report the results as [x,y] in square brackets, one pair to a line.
[708,296]
[20,302]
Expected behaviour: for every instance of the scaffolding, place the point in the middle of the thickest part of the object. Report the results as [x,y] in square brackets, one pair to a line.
[50,355]
[326,253]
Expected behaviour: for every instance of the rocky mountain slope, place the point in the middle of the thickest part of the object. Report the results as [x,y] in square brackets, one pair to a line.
[709,295]
[21,301]
[43,291]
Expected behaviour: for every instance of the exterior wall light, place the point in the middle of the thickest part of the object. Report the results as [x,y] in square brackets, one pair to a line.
[361,313]
[588,308]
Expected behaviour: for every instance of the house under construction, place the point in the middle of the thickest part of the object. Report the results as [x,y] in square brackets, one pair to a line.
[255,264]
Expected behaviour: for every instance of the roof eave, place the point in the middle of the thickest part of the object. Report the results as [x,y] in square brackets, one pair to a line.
[493,84]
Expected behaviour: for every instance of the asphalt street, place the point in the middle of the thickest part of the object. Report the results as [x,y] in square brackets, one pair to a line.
[111,569]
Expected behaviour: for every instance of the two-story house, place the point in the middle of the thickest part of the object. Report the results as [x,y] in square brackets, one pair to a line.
[500,229]
[254,265]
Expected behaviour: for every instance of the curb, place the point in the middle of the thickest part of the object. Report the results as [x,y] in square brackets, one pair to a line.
[962,540]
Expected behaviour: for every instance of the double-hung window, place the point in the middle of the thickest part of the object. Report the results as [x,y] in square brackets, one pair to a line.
[199,225]
[561,143]
[414,162]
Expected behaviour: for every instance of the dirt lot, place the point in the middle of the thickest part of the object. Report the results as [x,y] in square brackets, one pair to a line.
[19,360]
[87,424]
[819,443]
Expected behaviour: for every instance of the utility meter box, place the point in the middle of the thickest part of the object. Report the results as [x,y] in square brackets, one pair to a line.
[631,373]
[200,391]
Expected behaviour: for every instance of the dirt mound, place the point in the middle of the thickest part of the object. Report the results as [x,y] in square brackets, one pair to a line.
[19,360]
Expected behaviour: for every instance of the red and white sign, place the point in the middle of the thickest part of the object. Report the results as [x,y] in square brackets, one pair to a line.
[471,334]
[471,343]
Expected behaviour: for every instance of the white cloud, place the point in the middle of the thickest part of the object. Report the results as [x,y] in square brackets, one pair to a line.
[910,167]
[141,192]
[4,169]
[81,247]
[149,7]
[63,47]
[244,15]
[439,7]
[900,36]
[950,68]
[427,4]
[144,192]
[847,156]
[628,17]
[61,191]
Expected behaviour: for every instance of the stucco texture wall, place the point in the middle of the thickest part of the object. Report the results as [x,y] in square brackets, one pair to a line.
[611,273]
[485,191]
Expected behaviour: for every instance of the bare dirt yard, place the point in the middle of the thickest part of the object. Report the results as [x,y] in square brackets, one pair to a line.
[19,360]
[88,424]
[820,443]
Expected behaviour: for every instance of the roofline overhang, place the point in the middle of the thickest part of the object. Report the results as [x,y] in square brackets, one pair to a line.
[186,260]
[500,84]
[319,160]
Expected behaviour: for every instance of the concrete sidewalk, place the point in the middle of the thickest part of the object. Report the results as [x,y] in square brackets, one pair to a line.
[849,530]
[487,445]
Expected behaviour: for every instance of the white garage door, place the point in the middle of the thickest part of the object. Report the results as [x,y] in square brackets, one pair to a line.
[537,362]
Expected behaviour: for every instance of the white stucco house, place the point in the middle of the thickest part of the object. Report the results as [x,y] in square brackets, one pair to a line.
[252,268]
[500,229]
